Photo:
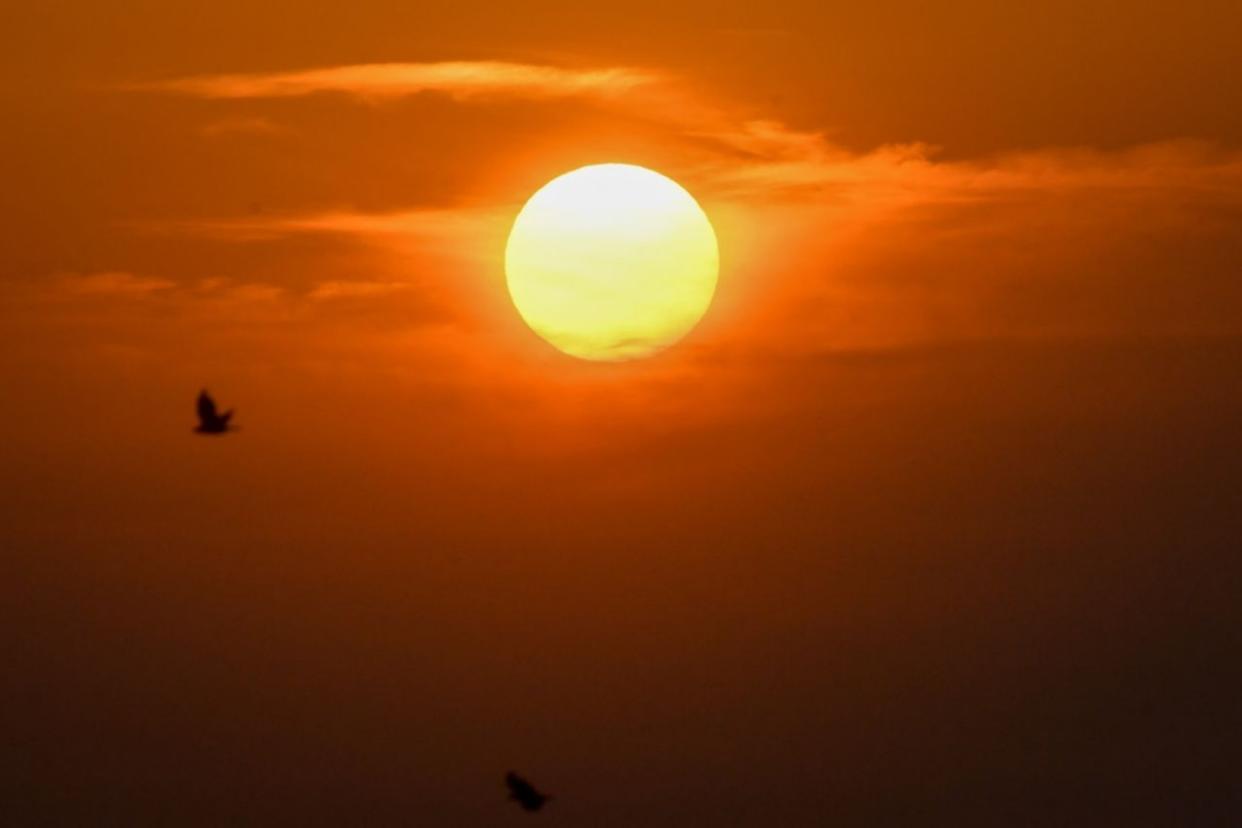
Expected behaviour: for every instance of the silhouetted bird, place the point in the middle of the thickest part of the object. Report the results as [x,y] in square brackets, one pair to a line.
[209,422]
[524,793]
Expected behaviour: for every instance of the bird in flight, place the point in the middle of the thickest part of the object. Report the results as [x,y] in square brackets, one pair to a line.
[524,793]
[209,421]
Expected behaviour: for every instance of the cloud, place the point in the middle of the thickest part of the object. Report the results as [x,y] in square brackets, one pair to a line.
[738,152]
[117,287]
[210,295]
[894,248]
[436,223]
[100,323]
[431,222]
[384,81]
[768,161]
[112,283]
[355,290]
[456,240]
[842,249]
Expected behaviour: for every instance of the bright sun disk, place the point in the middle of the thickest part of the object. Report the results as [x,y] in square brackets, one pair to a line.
[611,262]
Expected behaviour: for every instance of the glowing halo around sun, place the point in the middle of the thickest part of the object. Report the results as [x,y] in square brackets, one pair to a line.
[611,262]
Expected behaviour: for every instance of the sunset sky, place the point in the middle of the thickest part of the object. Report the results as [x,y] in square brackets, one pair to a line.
[933,519]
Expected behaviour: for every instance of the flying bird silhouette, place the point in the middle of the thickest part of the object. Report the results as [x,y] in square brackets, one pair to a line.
[209,421]
[524,793]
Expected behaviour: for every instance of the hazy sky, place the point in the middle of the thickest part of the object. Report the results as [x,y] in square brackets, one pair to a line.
[933,520]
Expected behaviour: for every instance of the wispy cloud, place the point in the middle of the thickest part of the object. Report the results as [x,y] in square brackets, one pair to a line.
[786,164]
[326,291]
[742,154]
[381,81]
[112,283]
[132,288]
[210,299]
[457,231]
[890,246]
[894,247]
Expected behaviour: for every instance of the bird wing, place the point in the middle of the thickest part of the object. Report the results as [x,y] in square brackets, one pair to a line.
[206,407]
[519,786]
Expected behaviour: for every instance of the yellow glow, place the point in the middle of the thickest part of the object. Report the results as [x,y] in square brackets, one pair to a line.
[611,262]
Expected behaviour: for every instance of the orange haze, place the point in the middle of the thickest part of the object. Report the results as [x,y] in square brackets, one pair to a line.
[933,519]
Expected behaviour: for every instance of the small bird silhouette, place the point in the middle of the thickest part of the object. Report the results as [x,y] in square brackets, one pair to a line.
[210,422]
[524,793]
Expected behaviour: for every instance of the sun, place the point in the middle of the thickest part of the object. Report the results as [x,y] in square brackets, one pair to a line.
[612,262]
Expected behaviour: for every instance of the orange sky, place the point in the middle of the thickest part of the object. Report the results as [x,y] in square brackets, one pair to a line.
[932,520]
